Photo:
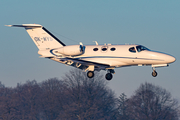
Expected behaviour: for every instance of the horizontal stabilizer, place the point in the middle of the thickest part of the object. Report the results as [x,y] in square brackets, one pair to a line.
[26,25]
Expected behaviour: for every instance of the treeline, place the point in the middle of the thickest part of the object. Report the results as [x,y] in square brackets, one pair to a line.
[76,97]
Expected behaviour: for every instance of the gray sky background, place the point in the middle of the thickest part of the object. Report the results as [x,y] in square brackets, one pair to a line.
[154,24]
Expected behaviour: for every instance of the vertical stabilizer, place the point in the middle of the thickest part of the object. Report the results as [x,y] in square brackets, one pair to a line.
[41,36]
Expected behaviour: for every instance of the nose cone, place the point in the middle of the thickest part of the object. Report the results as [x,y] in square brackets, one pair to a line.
[161,58]
[170,59]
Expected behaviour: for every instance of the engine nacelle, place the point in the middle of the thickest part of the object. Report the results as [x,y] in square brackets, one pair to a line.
[71,50]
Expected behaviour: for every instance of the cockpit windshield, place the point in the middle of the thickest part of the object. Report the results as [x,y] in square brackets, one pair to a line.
[141,48]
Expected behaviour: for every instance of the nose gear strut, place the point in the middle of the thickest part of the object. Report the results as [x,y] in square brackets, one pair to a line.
[154,73]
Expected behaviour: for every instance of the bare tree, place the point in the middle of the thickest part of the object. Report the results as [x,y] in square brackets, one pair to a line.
[122,103]
[88,99]
[151,102]
[52,98]
[77,97]
[2,85]
[28,100]
[8,104]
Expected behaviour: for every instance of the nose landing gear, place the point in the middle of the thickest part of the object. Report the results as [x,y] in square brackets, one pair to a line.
[154,73]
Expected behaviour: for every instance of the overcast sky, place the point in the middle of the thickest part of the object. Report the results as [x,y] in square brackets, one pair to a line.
[154,24]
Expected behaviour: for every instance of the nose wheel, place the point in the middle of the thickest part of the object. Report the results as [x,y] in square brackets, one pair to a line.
[154,73]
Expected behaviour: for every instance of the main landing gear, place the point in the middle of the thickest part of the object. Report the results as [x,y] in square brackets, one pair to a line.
[108,76]
[90,74]
[154,73]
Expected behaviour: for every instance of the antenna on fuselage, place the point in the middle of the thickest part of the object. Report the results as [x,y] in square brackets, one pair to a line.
[80,43]
[96,42]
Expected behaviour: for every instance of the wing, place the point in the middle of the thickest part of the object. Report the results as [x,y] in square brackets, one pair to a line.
[81,64]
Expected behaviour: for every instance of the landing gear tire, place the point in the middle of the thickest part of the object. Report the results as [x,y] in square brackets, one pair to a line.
[109,76]
[90,74]
[154,73]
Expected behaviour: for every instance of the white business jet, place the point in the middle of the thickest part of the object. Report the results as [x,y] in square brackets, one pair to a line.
[94,57]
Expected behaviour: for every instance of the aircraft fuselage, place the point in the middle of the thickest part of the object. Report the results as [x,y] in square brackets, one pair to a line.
[120,55]
[94,57]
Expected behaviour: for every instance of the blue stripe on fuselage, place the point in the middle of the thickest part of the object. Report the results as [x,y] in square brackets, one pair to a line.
[116,57]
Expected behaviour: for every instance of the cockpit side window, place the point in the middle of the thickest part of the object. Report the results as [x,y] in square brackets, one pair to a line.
[132,49]
[141,48]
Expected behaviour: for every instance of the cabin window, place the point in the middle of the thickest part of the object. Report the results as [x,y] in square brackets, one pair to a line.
[132,49]
[141,48]
[104,48]
[95,49]
[113,49]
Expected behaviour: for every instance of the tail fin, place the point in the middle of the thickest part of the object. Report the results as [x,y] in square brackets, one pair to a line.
[41,36]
